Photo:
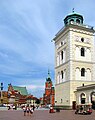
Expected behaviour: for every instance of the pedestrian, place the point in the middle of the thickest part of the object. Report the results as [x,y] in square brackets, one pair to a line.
[27,110]
[51,110]
[31,110]
[33,107]
[9,107]
[24,110]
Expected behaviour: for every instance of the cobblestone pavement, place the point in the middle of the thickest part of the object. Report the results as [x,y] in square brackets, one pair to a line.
[45,115]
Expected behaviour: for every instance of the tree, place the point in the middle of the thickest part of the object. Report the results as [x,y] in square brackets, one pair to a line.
[37,101]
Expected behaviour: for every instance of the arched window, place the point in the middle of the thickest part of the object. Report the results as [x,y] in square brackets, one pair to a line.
[77,21]
[93,99]
[61,43]
[62,55]
[88,76]
[71,20]
[62,74]
[82,97]
[82,72]
[82,52]
[77,73]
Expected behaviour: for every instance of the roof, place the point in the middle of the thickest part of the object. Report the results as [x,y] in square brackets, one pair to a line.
[31,97]
[86,87]
[22,90]
[48,79]
[64,29]
[75,17]
[74,13]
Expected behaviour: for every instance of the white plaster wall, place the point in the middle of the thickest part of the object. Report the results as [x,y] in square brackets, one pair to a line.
[62,91]
[88,54]
[77,74]
[78,56]
[88,75]
[77,53]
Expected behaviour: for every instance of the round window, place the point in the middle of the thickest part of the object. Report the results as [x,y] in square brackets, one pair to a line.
[82,39]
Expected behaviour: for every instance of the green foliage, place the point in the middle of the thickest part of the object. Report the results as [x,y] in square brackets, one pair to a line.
[37,101]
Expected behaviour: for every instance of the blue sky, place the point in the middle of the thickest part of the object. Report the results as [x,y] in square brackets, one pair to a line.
[26,30]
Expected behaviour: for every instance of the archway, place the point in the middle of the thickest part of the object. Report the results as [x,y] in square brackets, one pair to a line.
[93,100]
[82,98]
[77,21]
[72,20]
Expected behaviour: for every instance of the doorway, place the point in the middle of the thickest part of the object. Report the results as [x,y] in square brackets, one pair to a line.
[82,97]
[73,105]
[93,100]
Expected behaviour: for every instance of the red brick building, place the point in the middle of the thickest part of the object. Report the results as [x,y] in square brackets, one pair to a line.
[49,95]
[17,95]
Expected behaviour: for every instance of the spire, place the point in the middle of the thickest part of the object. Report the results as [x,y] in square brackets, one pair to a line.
[48,78]
[73,10]
[48,73]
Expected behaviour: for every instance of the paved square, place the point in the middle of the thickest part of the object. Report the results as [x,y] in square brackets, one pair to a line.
[44,115]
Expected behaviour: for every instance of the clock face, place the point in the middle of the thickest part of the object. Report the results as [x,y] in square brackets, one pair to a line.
[48,84]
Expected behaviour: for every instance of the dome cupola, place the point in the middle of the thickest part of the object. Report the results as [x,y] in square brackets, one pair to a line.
[73,17]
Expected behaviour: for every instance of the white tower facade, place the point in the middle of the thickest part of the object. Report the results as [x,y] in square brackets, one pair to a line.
[74,59]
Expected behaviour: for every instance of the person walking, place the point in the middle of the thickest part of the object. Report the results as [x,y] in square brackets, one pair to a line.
[27,110]
[24,110]
[31,110]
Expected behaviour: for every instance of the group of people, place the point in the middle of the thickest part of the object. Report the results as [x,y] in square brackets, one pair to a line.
[28,110]
[12,107]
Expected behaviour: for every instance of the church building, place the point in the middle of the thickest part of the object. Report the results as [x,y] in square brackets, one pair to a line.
[74,63]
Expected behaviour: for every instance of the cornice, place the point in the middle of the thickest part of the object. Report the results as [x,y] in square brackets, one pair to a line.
[86,62]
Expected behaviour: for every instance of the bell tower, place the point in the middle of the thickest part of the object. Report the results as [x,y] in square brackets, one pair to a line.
[74,59]
[48,85]
[49,95]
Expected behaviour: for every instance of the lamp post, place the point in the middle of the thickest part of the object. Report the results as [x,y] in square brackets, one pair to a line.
[1,93]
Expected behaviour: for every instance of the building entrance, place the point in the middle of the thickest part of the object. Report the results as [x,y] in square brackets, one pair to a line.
[74,105]
[82,97]
[93,100]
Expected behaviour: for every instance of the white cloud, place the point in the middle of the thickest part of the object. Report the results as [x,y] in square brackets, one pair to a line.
[34,87]
[36,90]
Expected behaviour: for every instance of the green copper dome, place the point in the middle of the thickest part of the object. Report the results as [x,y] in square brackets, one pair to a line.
[73,17]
